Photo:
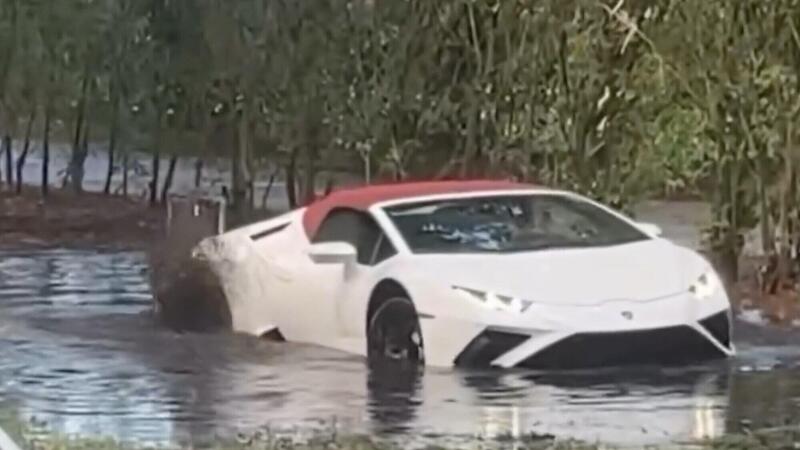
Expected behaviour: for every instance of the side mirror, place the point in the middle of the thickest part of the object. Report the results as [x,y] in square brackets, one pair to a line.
[651,229]
[333,253]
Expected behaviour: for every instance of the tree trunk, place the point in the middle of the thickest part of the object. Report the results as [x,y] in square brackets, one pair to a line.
[25,149]
[7,149]
[310,190]
[198,172]
[291,179]
[112,144]
[76,163]
[239,162]
[154,180]
[173,162]
[235,177]
[267,189]
[11,46]
[767,245]
[251,194]
[125,175]
[46,154]
[156,165]
[367,160]
[238,184]
[471,138]
[79,160]
[731,249]
[784,250]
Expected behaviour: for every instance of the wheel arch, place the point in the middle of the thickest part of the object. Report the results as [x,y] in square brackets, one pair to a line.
[383,291]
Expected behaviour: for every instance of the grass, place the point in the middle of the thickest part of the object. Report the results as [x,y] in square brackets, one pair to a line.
[29,436]
[775,439]
[349,443]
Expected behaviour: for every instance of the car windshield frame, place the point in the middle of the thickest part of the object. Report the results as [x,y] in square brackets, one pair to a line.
[627,231]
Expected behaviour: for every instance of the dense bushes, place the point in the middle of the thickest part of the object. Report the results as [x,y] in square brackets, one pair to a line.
[616,99]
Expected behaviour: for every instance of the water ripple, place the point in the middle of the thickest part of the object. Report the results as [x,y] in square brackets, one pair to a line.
[80,350]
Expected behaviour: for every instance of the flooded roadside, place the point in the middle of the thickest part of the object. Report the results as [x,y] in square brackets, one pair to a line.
[80,351]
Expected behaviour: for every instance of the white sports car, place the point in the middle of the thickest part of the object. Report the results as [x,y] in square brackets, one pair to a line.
[472,273]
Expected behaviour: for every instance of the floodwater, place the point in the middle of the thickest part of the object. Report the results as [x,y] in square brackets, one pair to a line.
[81,354]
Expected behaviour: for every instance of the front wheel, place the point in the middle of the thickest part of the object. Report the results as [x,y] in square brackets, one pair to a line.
[394,333]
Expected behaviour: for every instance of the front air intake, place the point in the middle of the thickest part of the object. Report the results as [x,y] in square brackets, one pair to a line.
[677,345]
[719,325]
[488,346]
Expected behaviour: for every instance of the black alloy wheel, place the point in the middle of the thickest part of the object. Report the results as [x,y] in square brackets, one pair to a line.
[394,334]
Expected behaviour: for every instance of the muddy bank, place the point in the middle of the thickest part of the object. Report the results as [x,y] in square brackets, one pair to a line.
[64,219]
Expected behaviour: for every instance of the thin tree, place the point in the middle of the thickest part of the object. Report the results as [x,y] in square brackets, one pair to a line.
[112,141]
[9,157]
[25,149]
[46,153]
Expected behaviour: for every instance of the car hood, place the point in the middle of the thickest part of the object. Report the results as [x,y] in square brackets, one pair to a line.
[640,271]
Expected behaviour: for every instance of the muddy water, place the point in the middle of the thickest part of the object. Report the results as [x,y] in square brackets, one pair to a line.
[80,353]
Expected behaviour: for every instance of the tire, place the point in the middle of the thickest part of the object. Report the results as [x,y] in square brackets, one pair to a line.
[394,333]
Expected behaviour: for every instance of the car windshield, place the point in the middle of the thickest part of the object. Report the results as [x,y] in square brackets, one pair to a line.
[512,223]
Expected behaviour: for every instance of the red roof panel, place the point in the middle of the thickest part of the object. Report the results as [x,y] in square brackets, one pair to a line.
[362,198]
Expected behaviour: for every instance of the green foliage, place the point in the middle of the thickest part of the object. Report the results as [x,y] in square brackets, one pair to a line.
[736,65]
[681,161]
[616,99]
[544,90]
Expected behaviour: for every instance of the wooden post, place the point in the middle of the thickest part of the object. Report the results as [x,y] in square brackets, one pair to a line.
[199,217]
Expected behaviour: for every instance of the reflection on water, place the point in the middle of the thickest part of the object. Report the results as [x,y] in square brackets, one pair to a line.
[79,350]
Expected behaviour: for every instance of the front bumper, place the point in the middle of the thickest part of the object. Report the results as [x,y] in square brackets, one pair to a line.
[710,338]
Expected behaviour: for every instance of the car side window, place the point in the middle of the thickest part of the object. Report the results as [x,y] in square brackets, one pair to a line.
[383,250]
[360,230]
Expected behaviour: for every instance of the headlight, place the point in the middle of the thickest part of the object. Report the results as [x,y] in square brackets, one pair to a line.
[496,301]
[706,286]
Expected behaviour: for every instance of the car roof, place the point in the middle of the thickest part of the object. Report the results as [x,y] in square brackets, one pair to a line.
[364,197]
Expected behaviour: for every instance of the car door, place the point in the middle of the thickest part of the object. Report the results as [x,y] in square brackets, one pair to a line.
[344,295]
[353,298]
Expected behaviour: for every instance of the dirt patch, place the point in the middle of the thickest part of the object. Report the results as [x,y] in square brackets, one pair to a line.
[65,219]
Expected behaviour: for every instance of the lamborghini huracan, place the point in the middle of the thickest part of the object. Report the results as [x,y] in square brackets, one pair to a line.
[472,273]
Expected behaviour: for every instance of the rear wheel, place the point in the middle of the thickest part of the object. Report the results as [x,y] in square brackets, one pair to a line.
[394,333]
